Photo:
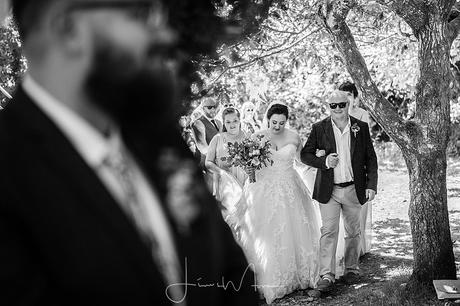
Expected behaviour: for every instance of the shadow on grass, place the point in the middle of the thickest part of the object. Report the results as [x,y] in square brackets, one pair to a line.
[392,237]
[385,271]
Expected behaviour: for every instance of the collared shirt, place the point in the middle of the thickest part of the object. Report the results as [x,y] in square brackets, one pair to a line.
[343,172]
[94,148]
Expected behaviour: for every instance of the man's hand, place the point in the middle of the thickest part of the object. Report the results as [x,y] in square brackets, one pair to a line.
[332,160]
[320,153]
[370,195]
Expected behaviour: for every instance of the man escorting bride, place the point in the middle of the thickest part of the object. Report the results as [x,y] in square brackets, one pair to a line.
[280,231]
[346,179]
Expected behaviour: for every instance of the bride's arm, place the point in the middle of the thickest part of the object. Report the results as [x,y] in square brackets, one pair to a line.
[306,173]
[298,143]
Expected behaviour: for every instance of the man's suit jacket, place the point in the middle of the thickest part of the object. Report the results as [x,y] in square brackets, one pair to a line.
[210,132]
[210,129]
[65,240]
[363,159]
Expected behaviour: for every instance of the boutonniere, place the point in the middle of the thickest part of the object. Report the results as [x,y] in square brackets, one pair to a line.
[355,129]
[182,192]
[181,197]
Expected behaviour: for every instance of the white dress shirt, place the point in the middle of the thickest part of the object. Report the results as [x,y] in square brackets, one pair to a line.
[94,148]
[343,172]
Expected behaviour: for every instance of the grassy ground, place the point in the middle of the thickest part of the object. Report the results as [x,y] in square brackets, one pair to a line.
[387,267]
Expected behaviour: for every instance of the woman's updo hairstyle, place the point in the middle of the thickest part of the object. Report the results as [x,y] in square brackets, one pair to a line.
[228,111]
[277,109]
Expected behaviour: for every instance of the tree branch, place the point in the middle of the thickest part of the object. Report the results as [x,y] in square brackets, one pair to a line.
[7,94]
[413,12]
[280,31]
[252,61]
[408,35]
[378,106]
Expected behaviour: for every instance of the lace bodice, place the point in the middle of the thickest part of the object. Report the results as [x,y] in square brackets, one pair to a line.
[283,160]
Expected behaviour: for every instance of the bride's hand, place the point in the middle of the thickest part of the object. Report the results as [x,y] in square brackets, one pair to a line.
[248,169]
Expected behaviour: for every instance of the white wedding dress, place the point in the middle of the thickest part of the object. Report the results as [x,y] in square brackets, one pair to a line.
[280,231]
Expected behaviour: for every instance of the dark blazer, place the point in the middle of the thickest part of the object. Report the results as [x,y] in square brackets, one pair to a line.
[210,132]
[65,241]
[363,159]
[210,129]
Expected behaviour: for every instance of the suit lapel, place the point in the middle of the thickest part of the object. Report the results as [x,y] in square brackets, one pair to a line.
[161,163]
[64,162]
[352,137]
[327,126]
[219,125]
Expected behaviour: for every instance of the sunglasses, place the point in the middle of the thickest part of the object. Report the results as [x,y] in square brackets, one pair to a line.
[210,106]
[340,105]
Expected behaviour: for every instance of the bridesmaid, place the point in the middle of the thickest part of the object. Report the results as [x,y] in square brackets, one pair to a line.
[218,151]
[228,181]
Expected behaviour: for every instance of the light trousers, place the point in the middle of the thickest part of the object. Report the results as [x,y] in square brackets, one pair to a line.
[342,200]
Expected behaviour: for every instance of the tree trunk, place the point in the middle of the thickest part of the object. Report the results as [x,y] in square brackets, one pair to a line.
[423,141]
[429,219]
[428,213]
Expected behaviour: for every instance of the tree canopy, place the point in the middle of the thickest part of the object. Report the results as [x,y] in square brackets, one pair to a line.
[292,59]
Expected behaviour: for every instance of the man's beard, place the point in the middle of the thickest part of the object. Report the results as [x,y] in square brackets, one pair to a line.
[132,96]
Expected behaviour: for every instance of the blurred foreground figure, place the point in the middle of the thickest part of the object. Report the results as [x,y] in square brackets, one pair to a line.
[102,203]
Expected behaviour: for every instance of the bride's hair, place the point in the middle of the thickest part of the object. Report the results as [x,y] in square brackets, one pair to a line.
[278,109]
[228,111]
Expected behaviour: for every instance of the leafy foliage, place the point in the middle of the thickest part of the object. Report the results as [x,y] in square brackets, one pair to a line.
[292,60]
[12,64]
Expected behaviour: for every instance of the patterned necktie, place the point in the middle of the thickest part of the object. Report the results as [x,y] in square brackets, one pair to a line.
[213,121]
[118,164]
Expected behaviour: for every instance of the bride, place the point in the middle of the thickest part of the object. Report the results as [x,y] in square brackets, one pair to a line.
[281,238]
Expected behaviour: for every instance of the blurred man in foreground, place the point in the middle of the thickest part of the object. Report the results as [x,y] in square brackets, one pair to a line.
[102,203]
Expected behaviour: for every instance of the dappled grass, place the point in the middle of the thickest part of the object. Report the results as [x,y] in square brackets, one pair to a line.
[394,293]
[386,270]
[393,238]
[390,158]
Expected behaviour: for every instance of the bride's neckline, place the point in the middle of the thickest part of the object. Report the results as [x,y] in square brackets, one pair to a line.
[274,146]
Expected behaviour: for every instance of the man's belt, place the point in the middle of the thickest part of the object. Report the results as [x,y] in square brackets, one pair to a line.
[346,184]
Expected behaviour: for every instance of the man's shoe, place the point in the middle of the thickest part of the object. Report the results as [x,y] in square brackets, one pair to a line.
[324,285]
[351,278]
[314,293]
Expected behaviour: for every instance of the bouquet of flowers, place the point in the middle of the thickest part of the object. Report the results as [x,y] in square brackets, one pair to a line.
[251,154]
